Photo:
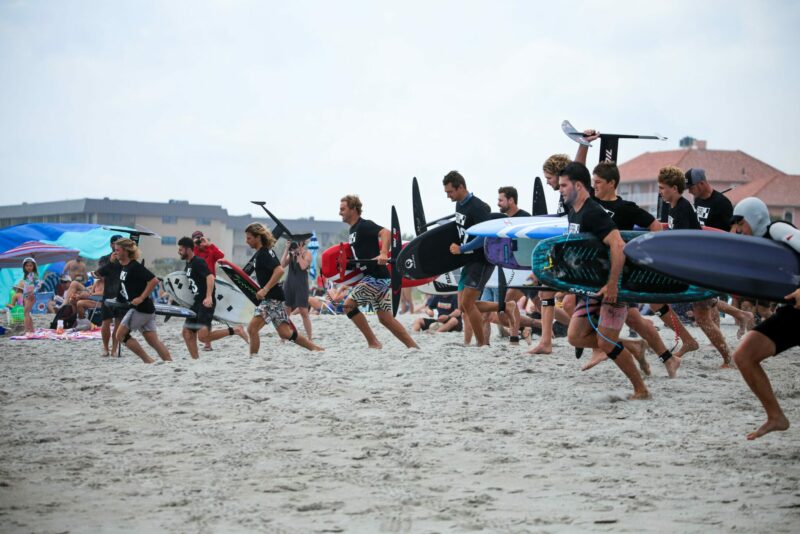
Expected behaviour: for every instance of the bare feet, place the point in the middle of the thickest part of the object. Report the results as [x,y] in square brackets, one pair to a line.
[542,348]
[240,331]
[672,366]
[727,364]
[771,425]
[598,356]
[640,395]
[376,346]
[639,349]
[686,348]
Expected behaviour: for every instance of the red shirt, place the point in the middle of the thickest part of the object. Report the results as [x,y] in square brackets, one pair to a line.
[211,254]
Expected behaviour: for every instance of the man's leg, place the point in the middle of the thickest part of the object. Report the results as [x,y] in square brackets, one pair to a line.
[287,331]
[648,331]
[394,326]
[671,319]
[306,322]
[744,319]
[355,315]
[470,310]
[123,334]
[703,315]
[105,334]
[256,324]
[152,339]
[755,348]
[607,342]
[190,338]
[545,345]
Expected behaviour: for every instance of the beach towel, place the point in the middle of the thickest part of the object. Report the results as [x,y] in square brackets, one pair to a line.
[68,335]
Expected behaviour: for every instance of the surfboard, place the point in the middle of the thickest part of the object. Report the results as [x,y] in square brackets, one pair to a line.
[445,284]
[232,306]
[333,270]
[429,253]
[514,277]
[240,279]
[161,309]
[748,266]
[579,263]
[539,227]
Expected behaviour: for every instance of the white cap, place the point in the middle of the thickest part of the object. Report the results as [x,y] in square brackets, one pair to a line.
[755,212]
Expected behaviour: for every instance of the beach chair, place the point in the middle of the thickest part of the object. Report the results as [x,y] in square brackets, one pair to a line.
[43,298]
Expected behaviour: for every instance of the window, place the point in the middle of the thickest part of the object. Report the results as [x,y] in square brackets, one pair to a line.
[788,217]
[169,219]
[169,240]
[203,222]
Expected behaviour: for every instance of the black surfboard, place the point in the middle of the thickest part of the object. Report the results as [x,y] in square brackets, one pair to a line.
[539,201]
[743,265]
[429,253]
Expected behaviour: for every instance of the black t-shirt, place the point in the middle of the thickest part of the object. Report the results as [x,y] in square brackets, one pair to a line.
[591,218]
[715,211]
[682,216]
[443,304]
[109,270]
[626,214]
[364,236]
[471,212]
[197,270]
[521,213]
[264,263]
[561,209]
[133,281]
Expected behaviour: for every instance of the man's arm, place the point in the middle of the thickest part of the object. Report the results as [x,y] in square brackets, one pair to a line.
[386,240]
[583,151]
[274,279]
[615,247]
[209,290]
[151,285]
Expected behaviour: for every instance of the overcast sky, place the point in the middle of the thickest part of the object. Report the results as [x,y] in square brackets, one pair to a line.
[299,103]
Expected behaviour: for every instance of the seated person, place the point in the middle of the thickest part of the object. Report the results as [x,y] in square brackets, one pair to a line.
[448,315]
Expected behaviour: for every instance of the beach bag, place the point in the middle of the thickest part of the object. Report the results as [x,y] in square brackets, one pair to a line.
[67,314]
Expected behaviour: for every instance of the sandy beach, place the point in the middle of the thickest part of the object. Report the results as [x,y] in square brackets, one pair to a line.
[444,439]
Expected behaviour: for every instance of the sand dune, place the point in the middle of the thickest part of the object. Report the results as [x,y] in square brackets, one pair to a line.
[442,439]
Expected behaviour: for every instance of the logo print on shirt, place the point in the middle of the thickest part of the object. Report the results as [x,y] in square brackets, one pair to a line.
[702,213]
[574,228]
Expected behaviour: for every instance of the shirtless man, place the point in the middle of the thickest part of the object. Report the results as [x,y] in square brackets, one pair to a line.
[375,288]
[585,215]
[671,184]
[76,270]
[778,333]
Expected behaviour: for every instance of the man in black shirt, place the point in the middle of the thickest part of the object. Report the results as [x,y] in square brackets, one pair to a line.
[201,283]
[374,288]
[671,184]
[585,215]
[136,285]
[268,271]
[712,207]
[778,333]
[626,215]
[470,210]
[109,269]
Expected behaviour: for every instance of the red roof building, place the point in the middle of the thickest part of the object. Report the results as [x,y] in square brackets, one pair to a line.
[733,170]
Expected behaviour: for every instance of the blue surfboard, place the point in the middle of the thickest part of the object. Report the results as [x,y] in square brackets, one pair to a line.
[541,227]
[579,263]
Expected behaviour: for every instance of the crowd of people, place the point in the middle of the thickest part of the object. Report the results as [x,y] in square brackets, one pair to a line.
[590,202]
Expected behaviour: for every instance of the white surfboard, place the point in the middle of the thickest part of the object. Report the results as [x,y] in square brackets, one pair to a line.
[232,306]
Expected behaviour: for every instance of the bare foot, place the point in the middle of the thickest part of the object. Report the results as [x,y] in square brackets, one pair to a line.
[105,354]
[746,325]
[376,346]
[771,425]
[686,348]
[639,349]
[598,356]
[672,366]
[727,364]
[542,348]
[640,395]
[240,331]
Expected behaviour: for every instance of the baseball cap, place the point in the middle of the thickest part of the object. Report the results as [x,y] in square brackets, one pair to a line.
[115,238]
[197,234]
[755,212]
[695,176]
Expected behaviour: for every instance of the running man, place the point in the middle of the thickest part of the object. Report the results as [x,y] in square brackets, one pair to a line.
[778,333]
[201,283]
[268,273]
[136,285]
[470,210]
[375,289]
[671,184]
[586,216]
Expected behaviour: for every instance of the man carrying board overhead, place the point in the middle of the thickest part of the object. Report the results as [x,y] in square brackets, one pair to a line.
[375,288]
[585,215]
[470,210]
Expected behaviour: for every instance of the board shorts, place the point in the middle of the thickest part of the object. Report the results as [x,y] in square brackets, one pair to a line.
[203,319]
[373,291]
[603,314]
[475,275]
[138,321]
[782,328]
[108,313]
[273,311]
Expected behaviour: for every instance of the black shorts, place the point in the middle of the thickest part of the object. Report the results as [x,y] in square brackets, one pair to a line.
[475,275]
[203,319]
[782,328]
[112,313]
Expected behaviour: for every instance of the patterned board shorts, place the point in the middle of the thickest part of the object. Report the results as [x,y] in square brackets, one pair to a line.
[374,291]
[273,311]
[607,315]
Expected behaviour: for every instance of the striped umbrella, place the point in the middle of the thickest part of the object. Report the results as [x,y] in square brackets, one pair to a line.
[40,252]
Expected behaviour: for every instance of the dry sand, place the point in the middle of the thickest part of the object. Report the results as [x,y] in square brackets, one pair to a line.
[444,439]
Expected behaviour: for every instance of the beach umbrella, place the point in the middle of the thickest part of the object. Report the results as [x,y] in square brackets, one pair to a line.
[41,252]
